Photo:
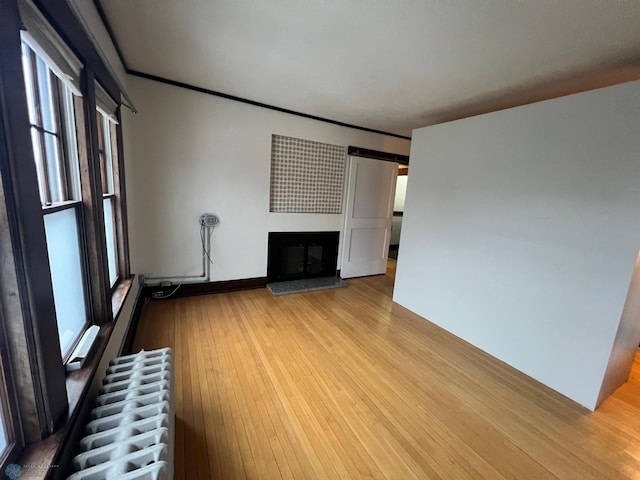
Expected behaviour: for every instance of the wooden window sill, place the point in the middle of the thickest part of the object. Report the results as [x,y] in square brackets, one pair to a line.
[47,452]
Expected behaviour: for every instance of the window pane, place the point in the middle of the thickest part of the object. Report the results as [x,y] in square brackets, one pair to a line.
[28,79]
[104,147]
[65,260]
[38,154]
[69,118]
[108,155]
[46,96]
[109,222]
[53,166]
[100,131]
[42,89]
[3,434]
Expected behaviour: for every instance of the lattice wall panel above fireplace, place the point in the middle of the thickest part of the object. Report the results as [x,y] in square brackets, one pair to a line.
[306,176]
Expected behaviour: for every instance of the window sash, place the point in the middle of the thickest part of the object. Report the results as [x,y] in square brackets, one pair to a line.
[111,238]
[39,395]
[110,201]
[52,119]
[52,131]
[106,154]
[65,247]
[45,41]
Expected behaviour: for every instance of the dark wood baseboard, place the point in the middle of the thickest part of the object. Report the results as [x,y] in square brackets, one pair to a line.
[205,288]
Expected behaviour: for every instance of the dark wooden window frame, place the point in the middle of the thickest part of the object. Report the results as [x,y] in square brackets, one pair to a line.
[114,191]
[14,433]
[63,166]
[26,295]
[78,207]
[122,230]
[36,404]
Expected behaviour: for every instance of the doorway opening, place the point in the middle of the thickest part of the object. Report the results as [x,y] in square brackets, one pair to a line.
[368,214]
[398,211]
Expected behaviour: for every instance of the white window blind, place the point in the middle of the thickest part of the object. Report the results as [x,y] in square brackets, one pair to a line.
[105,104]
[46,42]
[84,16]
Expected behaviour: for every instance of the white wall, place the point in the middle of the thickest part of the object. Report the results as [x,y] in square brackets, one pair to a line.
[521,232]
[198,153]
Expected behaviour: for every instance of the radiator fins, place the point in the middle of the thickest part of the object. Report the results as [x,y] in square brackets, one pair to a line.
[130,434]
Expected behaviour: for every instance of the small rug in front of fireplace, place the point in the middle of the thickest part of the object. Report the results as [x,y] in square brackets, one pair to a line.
[305,285]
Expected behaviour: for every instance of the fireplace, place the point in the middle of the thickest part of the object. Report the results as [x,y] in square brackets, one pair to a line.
[298,255]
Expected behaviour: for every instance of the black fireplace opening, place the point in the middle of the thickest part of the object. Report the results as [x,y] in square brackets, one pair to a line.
[298,255]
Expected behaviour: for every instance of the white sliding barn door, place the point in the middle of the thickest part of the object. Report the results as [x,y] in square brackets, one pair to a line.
[369,211]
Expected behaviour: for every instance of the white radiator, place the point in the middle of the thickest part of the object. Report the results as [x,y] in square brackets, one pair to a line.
[131,432]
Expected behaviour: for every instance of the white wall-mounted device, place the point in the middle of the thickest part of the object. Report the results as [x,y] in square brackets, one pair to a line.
[209,220]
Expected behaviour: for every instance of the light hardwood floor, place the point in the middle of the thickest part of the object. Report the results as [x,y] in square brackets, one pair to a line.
[346,384]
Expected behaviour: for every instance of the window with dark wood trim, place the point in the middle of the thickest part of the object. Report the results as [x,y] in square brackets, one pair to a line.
[107,155]
[32,390]
[53,134]
[55,278]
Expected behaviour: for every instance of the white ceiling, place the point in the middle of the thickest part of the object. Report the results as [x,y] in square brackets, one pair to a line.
[391,65]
